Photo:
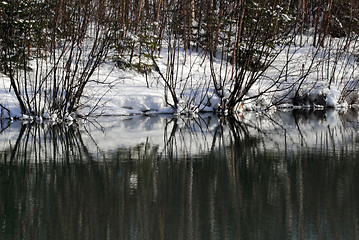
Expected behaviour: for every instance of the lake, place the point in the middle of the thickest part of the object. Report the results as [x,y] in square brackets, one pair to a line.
[281,175]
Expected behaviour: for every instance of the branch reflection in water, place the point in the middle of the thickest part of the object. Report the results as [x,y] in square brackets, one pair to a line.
[269,176]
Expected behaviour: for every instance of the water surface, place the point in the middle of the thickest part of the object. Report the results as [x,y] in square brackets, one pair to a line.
[286,175]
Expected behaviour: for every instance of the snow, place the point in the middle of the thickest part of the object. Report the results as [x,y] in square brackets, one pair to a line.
[126,92]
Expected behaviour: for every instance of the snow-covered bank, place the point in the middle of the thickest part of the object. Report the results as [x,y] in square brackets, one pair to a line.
[316,78]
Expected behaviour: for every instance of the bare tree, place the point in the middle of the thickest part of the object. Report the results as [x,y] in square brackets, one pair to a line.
[67,47]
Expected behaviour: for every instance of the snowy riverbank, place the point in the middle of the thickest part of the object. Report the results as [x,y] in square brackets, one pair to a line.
[323,79]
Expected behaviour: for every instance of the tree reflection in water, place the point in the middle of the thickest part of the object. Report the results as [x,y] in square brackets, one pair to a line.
[280,176]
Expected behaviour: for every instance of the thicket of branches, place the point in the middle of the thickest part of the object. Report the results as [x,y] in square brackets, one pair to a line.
[50,49]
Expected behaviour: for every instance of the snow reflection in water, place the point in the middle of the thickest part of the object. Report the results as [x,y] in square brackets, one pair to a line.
[278,176]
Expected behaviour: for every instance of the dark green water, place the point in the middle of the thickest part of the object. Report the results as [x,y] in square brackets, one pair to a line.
[284,176]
